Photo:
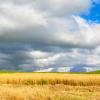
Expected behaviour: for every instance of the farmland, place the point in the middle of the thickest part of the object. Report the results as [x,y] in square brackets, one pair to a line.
[49,86]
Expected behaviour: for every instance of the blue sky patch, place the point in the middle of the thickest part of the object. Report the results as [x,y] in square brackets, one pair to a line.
[94,14]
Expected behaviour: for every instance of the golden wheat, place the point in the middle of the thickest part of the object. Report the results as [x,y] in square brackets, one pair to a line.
[49,92]
[50,78]
[49,86]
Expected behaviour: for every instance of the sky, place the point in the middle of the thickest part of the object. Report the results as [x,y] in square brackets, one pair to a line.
[50,35]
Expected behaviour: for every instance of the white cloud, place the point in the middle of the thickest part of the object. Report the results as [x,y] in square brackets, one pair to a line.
[28,22]
[20,16]
[63,7]
[47,61]
[39,54]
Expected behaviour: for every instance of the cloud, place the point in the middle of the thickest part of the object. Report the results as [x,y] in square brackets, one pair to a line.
[29,22]
[54,7]
[47,34]
[62,8]
[34,60]
[19,16]
[29,19]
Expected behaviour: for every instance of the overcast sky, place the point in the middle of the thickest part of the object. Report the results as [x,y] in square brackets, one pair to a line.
[50,35]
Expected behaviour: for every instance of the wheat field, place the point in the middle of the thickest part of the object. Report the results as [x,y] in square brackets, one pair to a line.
[49,86]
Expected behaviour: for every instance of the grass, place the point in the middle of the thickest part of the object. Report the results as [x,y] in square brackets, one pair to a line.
[94,72]
[13,71]
[49,86]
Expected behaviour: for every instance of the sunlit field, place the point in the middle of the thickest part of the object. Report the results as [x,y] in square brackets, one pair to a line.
[49,86]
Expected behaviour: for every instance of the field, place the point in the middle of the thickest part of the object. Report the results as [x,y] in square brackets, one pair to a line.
[49,86]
